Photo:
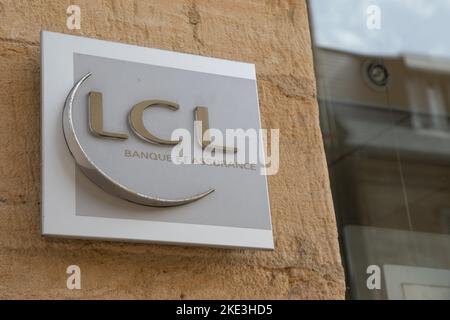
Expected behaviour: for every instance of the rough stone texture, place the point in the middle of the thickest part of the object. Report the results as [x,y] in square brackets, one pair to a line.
[274,35]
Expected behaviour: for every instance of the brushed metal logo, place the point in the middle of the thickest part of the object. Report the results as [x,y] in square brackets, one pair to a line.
[135,118]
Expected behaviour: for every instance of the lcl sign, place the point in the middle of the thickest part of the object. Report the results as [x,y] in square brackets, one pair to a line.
[136,123]
[125,110]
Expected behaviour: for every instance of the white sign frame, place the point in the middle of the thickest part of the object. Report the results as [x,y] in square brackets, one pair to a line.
[58,167]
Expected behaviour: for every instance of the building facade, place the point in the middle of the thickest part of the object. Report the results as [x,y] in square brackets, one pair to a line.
[274,35]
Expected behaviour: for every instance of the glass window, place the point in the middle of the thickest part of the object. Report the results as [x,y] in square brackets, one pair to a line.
[383,81]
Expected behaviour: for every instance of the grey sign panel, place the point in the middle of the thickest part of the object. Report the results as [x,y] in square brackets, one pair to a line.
[236,214]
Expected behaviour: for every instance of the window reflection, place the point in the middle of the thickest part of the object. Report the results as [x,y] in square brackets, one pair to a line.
[384,97]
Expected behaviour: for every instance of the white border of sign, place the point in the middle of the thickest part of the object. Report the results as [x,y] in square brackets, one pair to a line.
[58,167]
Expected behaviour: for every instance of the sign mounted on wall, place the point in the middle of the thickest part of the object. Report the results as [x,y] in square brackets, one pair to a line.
[109,132]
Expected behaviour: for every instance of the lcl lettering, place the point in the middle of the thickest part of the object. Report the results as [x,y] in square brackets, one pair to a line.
[136,121]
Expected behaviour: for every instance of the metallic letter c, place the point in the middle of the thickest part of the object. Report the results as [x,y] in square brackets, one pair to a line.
[137,121]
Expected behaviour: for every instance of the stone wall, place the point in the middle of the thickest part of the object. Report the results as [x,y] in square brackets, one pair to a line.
[273,34]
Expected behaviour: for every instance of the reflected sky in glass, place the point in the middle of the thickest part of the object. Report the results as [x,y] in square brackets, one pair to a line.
[406,26]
